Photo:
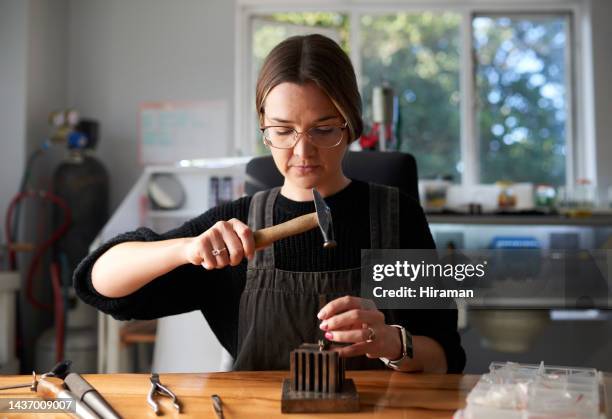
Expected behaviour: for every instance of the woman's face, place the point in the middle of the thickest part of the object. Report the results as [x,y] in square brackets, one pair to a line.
[305,166]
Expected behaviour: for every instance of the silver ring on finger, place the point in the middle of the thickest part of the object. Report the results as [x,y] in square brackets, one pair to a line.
[372,336]
[217,252]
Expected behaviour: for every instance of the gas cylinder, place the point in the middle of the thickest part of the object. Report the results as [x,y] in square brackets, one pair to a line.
[82,181]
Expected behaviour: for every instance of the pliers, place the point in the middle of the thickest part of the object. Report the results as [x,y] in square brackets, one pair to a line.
[159,388]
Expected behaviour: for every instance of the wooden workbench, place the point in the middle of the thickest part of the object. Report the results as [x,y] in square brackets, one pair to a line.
[383,394]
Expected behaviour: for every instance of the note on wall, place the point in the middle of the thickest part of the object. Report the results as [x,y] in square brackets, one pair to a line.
[174,131]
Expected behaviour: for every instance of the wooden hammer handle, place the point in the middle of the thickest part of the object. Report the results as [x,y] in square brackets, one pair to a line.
[267,236]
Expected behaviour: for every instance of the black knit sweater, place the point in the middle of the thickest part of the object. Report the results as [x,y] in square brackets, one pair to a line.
[217,292]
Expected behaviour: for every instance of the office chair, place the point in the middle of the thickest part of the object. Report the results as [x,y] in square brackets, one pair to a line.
[385,168]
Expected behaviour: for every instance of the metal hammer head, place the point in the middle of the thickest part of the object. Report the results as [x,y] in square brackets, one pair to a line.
[325,220]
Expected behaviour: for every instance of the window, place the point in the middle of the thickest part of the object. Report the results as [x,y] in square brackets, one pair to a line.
[521,82]
[515,101]
[418,55]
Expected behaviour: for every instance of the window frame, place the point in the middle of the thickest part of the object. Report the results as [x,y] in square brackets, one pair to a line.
[580,138]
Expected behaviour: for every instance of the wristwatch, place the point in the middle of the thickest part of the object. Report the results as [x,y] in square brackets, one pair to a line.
[407,350]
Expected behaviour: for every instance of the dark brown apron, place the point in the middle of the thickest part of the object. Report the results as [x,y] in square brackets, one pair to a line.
[278,308]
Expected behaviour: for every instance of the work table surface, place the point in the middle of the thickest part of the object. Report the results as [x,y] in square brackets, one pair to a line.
[382,394]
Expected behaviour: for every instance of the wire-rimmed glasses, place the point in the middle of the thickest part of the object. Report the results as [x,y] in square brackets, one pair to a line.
[322,136]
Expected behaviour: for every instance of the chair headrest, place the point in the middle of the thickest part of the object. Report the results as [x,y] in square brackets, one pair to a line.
[385,168]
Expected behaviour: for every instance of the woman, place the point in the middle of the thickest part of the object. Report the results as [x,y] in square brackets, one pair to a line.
[264,306]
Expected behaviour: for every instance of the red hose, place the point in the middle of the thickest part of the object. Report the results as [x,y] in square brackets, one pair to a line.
[58,304]
[43,247]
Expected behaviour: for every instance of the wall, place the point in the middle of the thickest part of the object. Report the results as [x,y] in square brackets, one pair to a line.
[47,66]
[123,53]
[601,12]
[46,91]
[32,82]
[13,52]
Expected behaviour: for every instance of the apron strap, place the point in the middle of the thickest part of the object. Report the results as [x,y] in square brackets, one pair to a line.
[384,217]
[261,215]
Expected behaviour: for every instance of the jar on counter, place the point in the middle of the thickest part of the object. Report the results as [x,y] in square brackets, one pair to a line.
[545,196]
[577,201]
[506,198]
[435,192]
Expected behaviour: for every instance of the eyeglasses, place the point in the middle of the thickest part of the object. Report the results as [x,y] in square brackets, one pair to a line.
[323,136]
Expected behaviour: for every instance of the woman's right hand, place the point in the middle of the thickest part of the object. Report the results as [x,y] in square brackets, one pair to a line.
[232,238]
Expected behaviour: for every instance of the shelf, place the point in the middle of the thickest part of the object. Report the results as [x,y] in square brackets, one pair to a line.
[537,220]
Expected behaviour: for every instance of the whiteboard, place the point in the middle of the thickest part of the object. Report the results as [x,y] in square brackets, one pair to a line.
[175,131]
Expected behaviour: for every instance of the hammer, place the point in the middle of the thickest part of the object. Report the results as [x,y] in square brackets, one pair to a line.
[50,387]
[321,217]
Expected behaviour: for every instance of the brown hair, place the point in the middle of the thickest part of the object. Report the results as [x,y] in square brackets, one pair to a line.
[319,59]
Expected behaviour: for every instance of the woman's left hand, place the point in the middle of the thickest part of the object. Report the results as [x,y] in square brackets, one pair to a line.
[357,320]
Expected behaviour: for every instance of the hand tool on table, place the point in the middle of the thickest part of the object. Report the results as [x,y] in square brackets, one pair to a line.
[52,388]
[321,217]
[90,396]
[217,406]
[59,370]
[157,388]
[31,384]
